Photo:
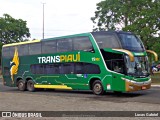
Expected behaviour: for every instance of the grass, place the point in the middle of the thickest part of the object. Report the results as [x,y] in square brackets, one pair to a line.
[156,78]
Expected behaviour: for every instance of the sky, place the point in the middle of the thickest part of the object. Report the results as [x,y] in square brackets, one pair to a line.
[61,17]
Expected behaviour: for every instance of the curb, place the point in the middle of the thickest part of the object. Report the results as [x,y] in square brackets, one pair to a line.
[155,85]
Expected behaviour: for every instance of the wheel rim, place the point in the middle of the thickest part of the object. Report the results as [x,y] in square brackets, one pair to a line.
[30,86]
[20,85]
[97,88]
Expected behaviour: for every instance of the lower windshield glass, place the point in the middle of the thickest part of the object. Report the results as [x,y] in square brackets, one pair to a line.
[138,68]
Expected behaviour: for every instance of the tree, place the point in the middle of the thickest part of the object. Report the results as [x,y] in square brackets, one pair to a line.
[12,30]
[156,47]
[139,16]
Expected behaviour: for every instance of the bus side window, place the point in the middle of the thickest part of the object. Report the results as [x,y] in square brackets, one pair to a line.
[49,46]
[91,68]
[106,40]
[23,50]
[82,43]
[56,69]
[5,52]
[34,48]
[67,68]
[109,64]
[45,69]
[64,45]
[48,68]
[12,50]
[37,69]
[78,68]
[118,66]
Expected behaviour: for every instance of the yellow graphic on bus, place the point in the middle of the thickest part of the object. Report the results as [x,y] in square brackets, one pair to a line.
[14,65]
[70,58]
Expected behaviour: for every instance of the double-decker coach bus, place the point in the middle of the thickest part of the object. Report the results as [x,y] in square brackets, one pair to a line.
[98,61]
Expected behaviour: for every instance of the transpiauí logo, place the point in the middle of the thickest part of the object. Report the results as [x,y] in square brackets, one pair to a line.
[14,65]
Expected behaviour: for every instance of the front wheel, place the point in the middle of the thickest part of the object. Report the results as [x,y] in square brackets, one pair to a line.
[21,85]
[30,86]
[97,87]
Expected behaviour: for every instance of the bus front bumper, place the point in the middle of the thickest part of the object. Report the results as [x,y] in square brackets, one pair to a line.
[135,86]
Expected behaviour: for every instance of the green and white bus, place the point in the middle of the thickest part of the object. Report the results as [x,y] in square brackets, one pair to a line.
[98,61]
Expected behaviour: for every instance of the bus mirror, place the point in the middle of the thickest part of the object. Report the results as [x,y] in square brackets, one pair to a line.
[154,53]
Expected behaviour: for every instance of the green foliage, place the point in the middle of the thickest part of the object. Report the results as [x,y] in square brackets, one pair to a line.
[139,16]
[12,30]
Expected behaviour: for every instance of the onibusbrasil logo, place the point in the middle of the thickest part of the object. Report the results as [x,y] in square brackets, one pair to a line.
[14,65]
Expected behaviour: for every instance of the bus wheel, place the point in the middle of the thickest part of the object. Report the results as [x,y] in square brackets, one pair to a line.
[97,87]
[30,86]
[21,85]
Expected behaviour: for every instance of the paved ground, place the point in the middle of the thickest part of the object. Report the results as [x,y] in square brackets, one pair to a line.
[13,100]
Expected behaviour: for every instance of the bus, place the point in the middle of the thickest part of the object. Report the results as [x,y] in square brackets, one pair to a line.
[98,61]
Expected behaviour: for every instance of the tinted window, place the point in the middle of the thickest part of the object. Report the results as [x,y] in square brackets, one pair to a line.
[23,50]
[64,45]
[56,69]
[91,68]
[109,64]
[37,69]
[67,68]
[49,46]
[131,42]
[49,68]
[6,52]
[105,40]
[35,48]
[118,66]
[45,69]
[86,68]
[79,68]
[12,50]
[82,43]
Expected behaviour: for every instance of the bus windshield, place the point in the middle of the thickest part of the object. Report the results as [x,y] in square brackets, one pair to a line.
[131,42]
[138,68]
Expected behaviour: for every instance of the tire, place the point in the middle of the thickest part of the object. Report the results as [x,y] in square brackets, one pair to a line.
[21,85]
[30,86]
[97,88]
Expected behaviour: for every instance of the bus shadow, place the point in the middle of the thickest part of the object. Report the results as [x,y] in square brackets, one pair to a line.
[90,93]
[64,91]
[124,94]
[78,93]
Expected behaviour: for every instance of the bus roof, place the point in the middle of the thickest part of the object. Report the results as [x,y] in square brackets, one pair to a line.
[21,43]
[47,39]
[67,36]
[112,31]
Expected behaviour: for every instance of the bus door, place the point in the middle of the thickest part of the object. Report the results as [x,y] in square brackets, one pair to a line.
[118,69]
